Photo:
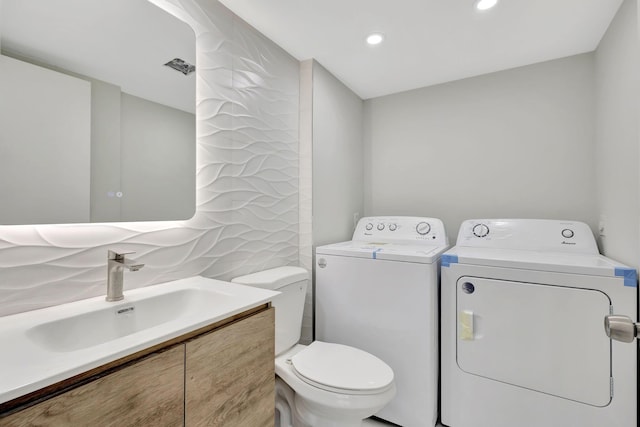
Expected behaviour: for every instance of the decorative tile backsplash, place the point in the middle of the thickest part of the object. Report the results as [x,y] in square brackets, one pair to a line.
[247,215]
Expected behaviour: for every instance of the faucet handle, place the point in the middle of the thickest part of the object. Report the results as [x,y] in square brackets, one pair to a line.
[118,255]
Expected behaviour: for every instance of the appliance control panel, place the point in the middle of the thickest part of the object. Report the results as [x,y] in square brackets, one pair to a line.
[401,229]
[528,234]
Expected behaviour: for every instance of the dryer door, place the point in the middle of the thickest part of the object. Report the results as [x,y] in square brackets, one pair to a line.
[541,337]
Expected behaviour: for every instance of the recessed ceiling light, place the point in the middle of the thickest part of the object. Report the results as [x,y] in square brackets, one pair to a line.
[485,4]
[375,38]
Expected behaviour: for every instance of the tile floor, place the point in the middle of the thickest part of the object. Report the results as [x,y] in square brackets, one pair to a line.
[375,423]
[379,423]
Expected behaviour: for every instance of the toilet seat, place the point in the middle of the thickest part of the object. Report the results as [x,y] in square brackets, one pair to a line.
[341,369]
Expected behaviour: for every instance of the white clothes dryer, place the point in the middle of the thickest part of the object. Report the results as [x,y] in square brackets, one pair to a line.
[523,339]
[379,293]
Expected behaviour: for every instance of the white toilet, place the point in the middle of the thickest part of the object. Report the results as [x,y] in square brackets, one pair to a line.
[323,384]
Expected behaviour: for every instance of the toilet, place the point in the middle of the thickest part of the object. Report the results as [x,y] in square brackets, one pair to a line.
[322,384]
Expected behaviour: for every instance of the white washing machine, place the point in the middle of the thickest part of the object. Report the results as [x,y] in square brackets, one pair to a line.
[523,339]
[379,293]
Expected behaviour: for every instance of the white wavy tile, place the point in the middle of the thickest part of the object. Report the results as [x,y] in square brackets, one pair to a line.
[305,245]
[246,183]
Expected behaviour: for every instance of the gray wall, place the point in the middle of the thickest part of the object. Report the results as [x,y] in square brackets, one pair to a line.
[617,97]
[105,151]
[45,130]
[516,143]
[331,177]
[143,150]
[157,160]
[337,158]
[138,147]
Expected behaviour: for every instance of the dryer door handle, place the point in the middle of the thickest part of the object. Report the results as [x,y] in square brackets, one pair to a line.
[621,328]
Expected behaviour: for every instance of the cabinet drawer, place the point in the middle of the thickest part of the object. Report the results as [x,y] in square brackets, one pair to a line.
[230,375]
[147,393]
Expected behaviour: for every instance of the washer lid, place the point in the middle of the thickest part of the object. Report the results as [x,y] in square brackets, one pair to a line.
[384,251]
[336,366]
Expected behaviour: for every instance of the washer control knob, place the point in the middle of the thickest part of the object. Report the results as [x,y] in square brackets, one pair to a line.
[393,227]
[423,228]
[480,230]
[567,233]
[369,226]
[381,226]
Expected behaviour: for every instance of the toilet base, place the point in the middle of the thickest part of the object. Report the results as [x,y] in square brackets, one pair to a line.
[312,417]
[285,402]
[292,411]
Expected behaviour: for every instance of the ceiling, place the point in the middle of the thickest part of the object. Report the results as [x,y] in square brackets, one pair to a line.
[427,42]
[123,42]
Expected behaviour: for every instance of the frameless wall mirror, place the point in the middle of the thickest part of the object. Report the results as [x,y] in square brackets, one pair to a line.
[94,127]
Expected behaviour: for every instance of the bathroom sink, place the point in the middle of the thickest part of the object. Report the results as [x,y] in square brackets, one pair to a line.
[52,344]
[118,320]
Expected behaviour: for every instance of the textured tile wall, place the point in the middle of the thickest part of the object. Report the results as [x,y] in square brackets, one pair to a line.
[247,215]
[306,190]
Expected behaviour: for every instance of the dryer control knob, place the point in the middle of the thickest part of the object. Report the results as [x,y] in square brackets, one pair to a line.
[393,227]
[423,228]
[381,226]
[369,226]
[480,230]
[567,233]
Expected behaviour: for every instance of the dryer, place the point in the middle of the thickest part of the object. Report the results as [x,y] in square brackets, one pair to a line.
[379,292]
[523,344]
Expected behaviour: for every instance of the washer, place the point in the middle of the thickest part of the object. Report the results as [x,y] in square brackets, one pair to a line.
[379,293]
[523,340]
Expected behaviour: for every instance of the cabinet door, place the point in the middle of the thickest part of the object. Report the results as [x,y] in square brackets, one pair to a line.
[147,393]
[230,376]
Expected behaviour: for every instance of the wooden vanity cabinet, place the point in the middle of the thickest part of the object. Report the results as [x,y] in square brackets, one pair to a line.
[147,393]
[230,375]
[221,377]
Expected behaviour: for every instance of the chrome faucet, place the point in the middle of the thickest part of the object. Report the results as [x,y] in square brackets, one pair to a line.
[116,263]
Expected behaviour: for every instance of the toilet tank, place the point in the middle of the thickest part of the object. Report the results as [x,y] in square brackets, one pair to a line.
[291,282]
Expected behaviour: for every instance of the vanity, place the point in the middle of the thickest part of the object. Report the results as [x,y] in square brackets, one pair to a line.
[191,352]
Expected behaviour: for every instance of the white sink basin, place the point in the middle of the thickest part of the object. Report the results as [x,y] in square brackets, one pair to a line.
[43,347]
[120,319]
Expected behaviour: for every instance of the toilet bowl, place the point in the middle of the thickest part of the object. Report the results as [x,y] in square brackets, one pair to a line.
[334,397]
[322,384]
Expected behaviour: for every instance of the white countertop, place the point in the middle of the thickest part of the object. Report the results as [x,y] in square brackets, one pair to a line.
[39,347]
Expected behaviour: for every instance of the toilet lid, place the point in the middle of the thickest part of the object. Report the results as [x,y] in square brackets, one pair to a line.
[342,368]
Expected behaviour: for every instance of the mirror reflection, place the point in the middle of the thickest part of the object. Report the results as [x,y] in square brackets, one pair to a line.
[94,127]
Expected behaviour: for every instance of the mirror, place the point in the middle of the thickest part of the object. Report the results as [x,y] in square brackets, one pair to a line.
[93,126]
